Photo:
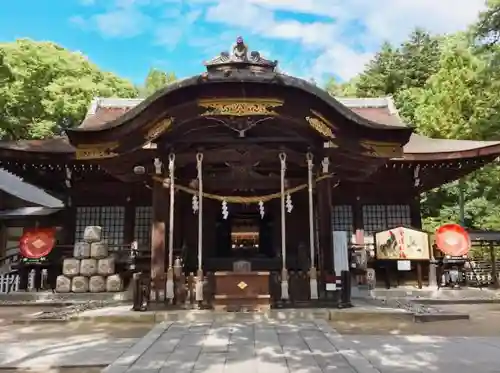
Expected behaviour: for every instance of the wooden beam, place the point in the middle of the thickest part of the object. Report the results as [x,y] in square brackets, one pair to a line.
[280,140]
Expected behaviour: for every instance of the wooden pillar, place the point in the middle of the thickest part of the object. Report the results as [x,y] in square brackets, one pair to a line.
[159,234]
[416,222]
[494,275]
[324,190]
[69,223]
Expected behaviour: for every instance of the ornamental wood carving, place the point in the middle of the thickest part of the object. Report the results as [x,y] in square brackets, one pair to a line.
[320,124]
[158,128]
[381,149]
[96,151]
[240,107]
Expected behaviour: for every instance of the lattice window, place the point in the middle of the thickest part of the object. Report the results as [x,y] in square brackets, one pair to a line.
[86,216]
[113,224]
[110,218]
[380,217]
[398,215]
[142,227]
[342,219]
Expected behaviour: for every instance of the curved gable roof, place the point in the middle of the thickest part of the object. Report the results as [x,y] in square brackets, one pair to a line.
[380,110]
[240,80]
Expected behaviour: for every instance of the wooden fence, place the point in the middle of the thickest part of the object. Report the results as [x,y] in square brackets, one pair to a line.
[9,282]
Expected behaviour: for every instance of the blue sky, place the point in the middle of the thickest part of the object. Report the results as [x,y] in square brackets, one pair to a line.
[310,38]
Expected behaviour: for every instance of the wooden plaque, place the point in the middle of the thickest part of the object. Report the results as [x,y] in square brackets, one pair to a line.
[402,243]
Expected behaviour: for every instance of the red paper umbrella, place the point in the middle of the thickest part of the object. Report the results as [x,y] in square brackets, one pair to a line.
[453,240]
[37,243]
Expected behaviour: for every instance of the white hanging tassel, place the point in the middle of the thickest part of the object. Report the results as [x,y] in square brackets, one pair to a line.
[289,204]
[284,272]
[262,211]
[195,204]
[313,282]
[225,212]
[169,287]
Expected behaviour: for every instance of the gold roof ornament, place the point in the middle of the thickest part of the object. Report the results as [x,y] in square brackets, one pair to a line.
[240,107]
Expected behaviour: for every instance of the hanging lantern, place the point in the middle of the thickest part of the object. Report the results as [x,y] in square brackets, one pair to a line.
[453,240]
[37,243]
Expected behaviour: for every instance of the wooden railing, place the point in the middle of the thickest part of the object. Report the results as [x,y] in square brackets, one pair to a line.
[480,274]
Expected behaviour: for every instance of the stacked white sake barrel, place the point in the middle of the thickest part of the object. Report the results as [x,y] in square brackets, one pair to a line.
[91,268]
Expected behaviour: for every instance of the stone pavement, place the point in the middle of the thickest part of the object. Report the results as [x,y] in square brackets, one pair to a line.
[414,353]
[299,347]
[76,351]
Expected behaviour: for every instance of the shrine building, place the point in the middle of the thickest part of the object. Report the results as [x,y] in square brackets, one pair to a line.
[242,162]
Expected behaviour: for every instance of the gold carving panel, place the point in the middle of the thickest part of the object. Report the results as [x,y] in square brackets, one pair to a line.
[320,125]
[96,151]
[158,128]
[380,149]
[240,107]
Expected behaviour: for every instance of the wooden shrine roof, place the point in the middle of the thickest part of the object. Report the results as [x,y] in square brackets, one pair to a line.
[380,110]
[17,187]
[242,85]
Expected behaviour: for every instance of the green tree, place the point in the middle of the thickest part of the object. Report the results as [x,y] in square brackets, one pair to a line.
[382,76]
[155,80]
[418,59]
[456,103]
[450,104]
[398,71]
[49,88]
[337,89]
[487,28]
[447,88]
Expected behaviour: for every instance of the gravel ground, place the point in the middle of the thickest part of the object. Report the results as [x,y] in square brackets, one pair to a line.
[484,322]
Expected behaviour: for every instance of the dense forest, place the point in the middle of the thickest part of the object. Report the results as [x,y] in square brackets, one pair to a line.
[446,86]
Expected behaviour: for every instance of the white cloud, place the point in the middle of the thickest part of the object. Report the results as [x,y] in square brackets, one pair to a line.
[121,23]
[381,20]
[339,47]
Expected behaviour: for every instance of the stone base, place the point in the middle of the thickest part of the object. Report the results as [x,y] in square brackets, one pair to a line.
[259,303]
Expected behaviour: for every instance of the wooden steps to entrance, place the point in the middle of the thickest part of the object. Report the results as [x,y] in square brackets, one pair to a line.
[258,303]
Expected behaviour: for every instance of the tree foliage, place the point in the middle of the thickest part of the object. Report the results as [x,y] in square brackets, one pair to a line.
[46,88]
[447,87]
[487,28]
[155,80]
